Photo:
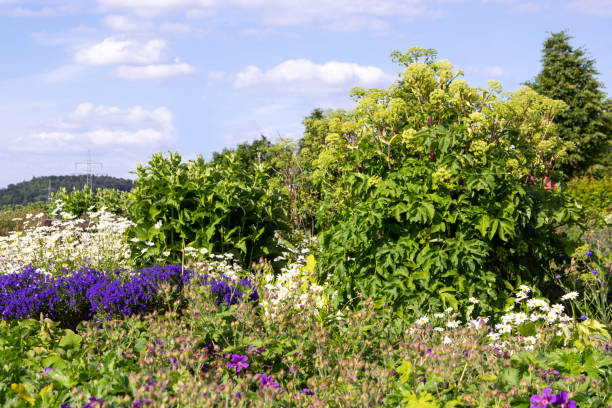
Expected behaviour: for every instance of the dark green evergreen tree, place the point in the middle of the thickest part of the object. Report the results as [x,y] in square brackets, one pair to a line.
[569,75]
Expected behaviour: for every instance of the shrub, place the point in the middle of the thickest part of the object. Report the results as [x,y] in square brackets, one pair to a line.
[433,191]
[79,202]
[596,197]
[220,206]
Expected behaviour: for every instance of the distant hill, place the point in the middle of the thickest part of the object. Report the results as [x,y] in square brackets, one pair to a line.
[37,189]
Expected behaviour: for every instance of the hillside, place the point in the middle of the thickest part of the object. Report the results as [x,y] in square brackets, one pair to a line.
[37,189]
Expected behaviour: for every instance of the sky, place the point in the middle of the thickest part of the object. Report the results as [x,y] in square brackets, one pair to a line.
[114,81]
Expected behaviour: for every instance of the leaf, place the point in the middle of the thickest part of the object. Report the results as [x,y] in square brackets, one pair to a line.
[21,391]
[493,229]
[310,264]
[429,208]
[423,400]
[483,225]
[506,230]
[527,329]
[70,340]
[140,345]
[405,369]
[46,389]
[63,379]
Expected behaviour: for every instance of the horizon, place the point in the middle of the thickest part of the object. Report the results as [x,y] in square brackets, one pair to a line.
[125,79]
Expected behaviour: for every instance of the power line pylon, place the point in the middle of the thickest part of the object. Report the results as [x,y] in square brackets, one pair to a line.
[89,165]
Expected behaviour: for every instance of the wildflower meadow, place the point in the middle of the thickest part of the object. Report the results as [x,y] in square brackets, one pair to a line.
[403,254]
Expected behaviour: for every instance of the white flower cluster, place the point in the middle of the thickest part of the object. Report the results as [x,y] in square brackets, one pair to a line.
[98,242]
[294,287]
[299,253]
[216,265]
[537,311]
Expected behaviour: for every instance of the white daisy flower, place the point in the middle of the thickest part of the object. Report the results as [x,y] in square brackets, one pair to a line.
[493,336]
[453,324]
[570,296]
[520,318]
[557,308]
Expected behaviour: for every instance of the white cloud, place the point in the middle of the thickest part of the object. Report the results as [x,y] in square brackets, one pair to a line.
[26,12]
[519,6]
[305,74]
[216,75]
[600,8]
[105,127]
[37,8]
[494,72]
[337,15]
[155,8]
[151,72]
[64,73]
[115,50]
[124,24]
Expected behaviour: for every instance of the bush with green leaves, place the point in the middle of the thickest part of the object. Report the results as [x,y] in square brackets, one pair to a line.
[222,206]
[79,202]
[433,190]
[596,197]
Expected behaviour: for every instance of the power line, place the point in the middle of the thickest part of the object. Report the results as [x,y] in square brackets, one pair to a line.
[89,165]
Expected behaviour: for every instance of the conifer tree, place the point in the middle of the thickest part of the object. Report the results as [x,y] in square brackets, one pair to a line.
[569,75]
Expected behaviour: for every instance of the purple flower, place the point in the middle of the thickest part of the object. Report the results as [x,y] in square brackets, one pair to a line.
[238,361]
[45,371]
[595,272]
[583,318]
[253,349]
[562,400]
[86,292]
[558,276]
[428,351]
[267,381]
[589,253]
[307,391]
[542,401]
[94,402]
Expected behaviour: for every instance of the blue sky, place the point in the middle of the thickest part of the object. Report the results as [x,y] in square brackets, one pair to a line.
[127,78]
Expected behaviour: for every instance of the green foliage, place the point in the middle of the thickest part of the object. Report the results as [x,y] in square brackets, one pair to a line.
[79,202]
[223,206]
[431,190]
[41,363]
[567,74]
[590,274]
[595,195]
[289,166]
[37,189]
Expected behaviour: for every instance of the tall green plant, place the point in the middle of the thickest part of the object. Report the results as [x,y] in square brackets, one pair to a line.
[78,202]
[432,190]
[222,206]
[569,75]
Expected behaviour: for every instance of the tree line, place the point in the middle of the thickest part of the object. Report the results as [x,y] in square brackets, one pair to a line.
[38,188]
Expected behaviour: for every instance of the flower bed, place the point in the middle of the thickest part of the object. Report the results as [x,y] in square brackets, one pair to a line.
[86,293]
